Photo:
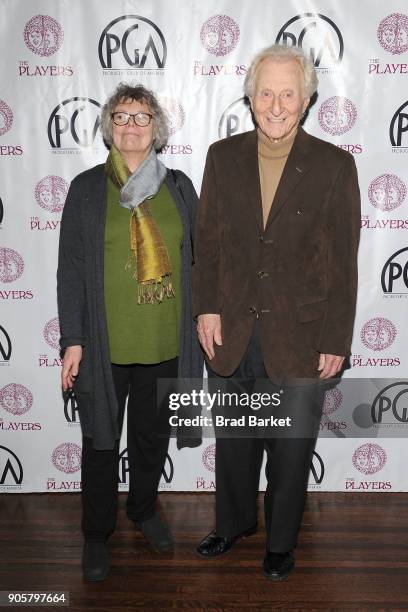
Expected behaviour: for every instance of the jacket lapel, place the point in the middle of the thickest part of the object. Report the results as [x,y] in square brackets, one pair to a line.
[246,157]
[296,167]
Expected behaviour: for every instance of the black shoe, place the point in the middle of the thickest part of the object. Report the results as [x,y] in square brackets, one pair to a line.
[214,545]
[156,533]
[95,561]
[277,566]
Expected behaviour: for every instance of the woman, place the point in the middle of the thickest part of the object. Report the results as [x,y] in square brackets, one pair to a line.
[125,314]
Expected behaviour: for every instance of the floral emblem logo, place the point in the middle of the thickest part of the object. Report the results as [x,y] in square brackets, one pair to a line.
[337,115]
[43,35]
[378,333]
[220,35]
[369,458]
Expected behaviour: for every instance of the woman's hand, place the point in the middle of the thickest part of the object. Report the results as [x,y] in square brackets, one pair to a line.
[70,366]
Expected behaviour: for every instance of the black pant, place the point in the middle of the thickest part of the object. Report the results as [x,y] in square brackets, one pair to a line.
[148,433]
[239,461]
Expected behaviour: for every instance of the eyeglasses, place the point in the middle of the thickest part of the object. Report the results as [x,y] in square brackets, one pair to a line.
[140,119]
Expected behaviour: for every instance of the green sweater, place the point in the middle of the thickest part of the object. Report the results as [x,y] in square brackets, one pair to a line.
[140,333]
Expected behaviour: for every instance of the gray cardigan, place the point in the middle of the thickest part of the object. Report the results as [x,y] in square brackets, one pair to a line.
[81,300]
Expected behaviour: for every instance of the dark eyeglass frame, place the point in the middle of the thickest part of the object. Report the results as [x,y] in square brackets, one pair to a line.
[129,115]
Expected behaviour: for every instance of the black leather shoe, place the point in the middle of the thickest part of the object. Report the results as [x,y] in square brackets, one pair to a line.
[95,561]
[277,566]
[157,533]
[214,545]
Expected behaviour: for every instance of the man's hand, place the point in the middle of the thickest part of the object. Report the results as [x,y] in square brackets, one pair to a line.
[70,366]
[209,331]
[329,365]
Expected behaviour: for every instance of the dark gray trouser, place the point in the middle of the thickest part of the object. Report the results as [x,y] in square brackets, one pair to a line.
[239,461]
[148,433]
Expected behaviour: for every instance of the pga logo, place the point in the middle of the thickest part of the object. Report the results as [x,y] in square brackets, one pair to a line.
[74,123]
[11,469]
[399,126]
[317,35]
[391,403]
[236,118]
[394,275]
[132,42]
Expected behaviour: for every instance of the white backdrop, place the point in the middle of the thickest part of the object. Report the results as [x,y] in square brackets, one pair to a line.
[59,60]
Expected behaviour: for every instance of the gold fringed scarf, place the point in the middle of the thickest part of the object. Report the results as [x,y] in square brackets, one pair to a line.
[148,249]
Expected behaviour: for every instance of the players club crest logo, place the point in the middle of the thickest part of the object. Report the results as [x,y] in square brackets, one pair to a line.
[175,113]
[16,399]
[337,115]
[11,265]
[52,333]
[392,33]
[6,118]
[208,457]
[387,192]
[369,458]
[220,35]
[378,334]
[332,400]
[67,458]
[50,193]
[43,35]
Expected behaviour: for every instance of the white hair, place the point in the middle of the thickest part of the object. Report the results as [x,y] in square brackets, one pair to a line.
[282,53]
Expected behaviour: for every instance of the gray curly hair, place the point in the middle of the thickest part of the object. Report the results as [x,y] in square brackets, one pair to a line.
[281,53]
[127,92]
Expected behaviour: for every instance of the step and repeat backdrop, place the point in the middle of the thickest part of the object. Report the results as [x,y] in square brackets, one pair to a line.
[59,60]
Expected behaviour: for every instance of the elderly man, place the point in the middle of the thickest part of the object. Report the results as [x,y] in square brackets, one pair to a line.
[275,281]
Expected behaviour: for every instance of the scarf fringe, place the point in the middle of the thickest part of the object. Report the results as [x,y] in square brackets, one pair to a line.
[153,292]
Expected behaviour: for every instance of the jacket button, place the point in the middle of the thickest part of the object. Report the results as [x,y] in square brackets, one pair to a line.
[260,274]
[252,310]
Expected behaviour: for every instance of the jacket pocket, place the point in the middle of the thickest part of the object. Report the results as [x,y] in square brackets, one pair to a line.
[312,311]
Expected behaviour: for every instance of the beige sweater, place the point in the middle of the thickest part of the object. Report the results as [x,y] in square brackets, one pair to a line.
[272,158]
